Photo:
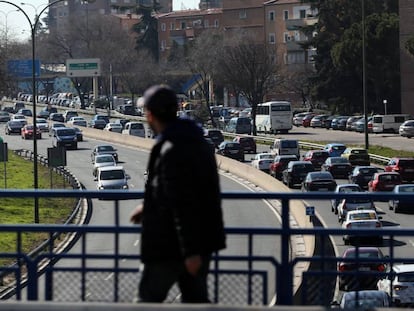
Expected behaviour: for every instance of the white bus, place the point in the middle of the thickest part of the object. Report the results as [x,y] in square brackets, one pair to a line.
[274,117]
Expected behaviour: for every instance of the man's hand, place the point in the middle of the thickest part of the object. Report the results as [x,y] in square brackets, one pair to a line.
[136,216]
[193,264]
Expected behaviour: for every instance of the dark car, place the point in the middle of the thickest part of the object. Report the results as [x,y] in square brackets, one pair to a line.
[327,122]
[399,204]
[337,166]
[319,181]
[316,157]
[360,260]
[98,124]
[336,122]
[122,122]
[404,166]
[4,116]
[215,135]
[248,144]
[280,163]
[65,137]
[54,126]
[232,150]
[13,127]
[42,114]
[296,172]
[69,114]
[57,117]
[79,133]
[361,175]
[104,149]
[384,181]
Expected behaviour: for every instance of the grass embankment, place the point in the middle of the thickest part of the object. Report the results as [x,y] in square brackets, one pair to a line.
[19,173]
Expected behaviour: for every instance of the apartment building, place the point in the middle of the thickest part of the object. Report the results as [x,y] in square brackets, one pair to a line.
[180,27]
[210,4]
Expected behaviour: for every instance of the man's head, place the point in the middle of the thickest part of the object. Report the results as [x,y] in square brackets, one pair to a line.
[161,101]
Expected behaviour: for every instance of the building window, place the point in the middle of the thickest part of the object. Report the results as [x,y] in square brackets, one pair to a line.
[271,15]
[163,27]
[182,25]
[172,26]
[272,38]
[302,14]
[285,15]
[243,14]
[206,23]
[286,37]
[216,23]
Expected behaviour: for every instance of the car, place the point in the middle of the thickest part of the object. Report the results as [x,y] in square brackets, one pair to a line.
[54,126]
[351,204]
[135,129]
[359,260]
[369,299]
[335,122]
[111,177]
[404,166]
[113,127]
[42,114]
[334,149]
[361,175]
[407,129]
[104,149]
[65,137]
[248,144]
[318,181]
[42,124]
[399,205]
[4,116]
[350,122]
[317,121]
[359,125]
[297,118]
[19,117]
[357,156]
[328,121]
[97,124]
[384,181]
[122,122]
[26,112]
[57,117]
[306,121]
[341,124]
[216,136]
[8,109]
[69,114]
[79,133]
[262,161]
[77,121]
[101,117]
[232,150]
[102,160]
[399,284]
[296,172]
[362,219]
[28,131]
[343,188]
[279,164]
[316,157]
[337,166]
[13,127]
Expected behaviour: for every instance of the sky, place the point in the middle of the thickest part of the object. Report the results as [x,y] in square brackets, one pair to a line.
[18,26]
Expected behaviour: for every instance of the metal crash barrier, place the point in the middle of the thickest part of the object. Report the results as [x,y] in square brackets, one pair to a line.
[96,263]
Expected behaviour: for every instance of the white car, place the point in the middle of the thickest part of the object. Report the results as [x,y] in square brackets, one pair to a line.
[343,188]
[42,124]
[78,121]
[113,127]
[102,160]
[347,205]
[20,118]
[262,161]
[362,219]
[399,283]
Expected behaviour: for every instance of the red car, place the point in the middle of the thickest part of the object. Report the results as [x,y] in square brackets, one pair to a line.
[28,130]
[404,166]
[306,121]
[279,164]
[316,157]
[384,181]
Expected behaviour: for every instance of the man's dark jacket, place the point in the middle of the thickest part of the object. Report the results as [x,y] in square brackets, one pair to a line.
[182,213]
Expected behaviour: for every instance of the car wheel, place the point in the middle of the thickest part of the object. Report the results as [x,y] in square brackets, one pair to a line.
[346,241]
[396,209]
[290,184]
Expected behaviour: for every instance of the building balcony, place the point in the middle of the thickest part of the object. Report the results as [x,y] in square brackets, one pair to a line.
[295,24]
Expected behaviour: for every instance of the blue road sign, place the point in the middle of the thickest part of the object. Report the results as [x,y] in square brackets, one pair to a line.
[23,68]
[310,210]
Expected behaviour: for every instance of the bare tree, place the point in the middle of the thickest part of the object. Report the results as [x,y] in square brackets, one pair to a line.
[251,68]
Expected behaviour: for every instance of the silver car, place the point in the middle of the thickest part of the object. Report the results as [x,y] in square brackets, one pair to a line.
[407,129]
[102,160]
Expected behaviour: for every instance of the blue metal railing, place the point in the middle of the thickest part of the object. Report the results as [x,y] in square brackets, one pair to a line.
[237,278]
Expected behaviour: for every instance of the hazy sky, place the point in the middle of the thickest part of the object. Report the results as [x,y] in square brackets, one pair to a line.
[18,25]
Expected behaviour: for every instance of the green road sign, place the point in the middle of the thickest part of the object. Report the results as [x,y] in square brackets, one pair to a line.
[85,67]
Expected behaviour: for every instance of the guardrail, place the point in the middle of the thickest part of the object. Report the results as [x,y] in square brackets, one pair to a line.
[242,275]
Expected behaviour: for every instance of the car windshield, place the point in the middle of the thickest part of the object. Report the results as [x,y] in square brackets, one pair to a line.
[104,159]
[338,160]
[406,188]
[105,148]
[66,132]
[363,216]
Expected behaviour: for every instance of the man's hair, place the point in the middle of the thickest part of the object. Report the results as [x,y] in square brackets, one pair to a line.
[162,102]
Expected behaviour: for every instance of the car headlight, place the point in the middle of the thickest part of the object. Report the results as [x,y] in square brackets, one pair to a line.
[125,187]
[100,187]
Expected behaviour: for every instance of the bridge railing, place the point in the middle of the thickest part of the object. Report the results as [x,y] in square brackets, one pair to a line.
[96,263]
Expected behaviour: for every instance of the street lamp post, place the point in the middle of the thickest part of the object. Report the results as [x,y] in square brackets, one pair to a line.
[6,36]
[364,91]
[33,26]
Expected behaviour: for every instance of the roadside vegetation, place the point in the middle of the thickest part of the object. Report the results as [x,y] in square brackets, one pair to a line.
[19,173]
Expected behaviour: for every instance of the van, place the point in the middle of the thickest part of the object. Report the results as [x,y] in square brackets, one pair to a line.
[135,129]
[283,146]
[388,123]
[17,106]
[111,177]
[239,125]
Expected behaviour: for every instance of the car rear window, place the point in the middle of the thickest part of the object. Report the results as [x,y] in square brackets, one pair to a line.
[66,132]
[406,277]
[137,126]
[406,163]
[289,144]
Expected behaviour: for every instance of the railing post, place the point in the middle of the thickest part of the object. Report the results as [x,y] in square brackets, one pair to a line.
[284,288]
[32,289]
